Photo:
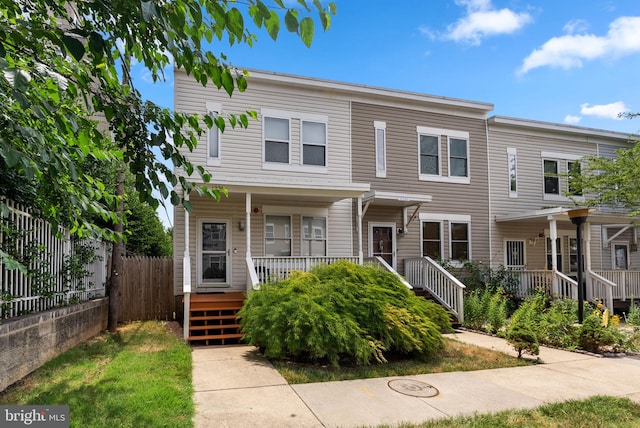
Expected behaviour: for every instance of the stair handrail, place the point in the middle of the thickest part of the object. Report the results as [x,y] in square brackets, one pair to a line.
[567,281]
[451,291]
[254,281]
[608,287]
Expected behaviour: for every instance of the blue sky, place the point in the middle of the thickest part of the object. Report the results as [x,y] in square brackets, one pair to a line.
[560,61]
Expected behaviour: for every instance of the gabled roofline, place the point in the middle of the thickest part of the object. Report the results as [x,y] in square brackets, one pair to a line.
[562,128]
[353,88]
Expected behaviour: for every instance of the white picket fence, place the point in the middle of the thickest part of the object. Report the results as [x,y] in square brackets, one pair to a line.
[48,287]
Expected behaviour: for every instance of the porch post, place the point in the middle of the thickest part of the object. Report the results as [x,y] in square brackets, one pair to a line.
[587,260]
[553,229]
[359,227]
[186,274]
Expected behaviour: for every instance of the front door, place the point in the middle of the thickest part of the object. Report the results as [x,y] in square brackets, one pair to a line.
[382,242]
[620,256]
[215,261]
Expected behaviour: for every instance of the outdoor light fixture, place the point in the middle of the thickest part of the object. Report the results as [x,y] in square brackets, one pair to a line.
[578,217]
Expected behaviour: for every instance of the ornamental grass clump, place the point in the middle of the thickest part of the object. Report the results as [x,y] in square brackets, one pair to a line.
[342,312]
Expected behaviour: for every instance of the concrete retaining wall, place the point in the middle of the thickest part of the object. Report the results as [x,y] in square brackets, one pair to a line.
[28,342]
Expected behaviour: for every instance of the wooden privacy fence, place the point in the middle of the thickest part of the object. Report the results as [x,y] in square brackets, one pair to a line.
[146,290]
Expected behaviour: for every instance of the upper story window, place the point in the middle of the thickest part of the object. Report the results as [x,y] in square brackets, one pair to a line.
[381,148]
[512,165]
[551,177]
[276,139]
[314,143]
[557,171]
[448,162]
[213,136]
[458,158]
[282,128]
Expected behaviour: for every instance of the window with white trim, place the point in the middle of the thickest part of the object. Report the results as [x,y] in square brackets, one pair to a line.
[512,166]
[429,155]
[277,139]
[214,134]
[574,186]
[551,177]
[514,254]
[459,245]
[442,162]
[458,157]
[432,239]
[314,236]
[277,235]
[381,148]
[314,143]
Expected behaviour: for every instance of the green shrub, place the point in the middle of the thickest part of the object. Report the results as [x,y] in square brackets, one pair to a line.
[485,309]
[523,339]
[342,312]
[593,335]
[558,324]
[497,312]
[633,316]
[524,325]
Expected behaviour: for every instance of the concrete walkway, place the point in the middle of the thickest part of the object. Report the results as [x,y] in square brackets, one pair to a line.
[236,387]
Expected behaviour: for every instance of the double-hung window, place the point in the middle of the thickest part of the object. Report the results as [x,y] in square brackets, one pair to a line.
[277,235]
[277,139]
[213,136]
[429,155]
[381,148]
[314,236]
[460,241]
[458,157]
[314,143]
[443,155]
[551,177]
[432,239]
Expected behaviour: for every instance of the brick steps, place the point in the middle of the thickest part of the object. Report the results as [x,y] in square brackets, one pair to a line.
[213,319]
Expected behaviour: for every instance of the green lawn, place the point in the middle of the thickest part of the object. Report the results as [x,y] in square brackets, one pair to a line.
[140,377]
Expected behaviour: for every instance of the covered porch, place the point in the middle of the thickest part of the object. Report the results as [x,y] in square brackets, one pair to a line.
[545,254]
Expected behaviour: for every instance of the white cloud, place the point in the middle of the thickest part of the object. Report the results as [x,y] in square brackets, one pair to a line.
[570,50]
[576,26]
[609,111]
[483,20]
[572,119]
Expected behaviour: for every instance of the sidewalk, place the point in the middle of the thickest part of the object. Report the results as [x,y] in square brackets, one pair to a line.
[236,387]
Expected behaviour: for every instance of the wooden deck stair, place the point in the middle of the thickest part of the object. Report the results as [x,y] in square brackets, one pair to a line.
[213,318]
[426,294]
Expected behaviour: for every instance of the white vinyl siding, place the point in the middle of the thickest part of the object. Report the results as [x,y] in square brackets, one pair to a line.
[380,129]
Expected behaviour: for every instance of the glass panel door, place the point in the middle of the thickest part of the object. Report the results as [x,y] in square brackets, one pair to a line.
[214,253]
[382,243]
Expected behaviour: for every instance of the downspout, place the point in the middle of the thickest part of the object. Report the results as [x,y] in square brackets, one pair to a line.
[186,274]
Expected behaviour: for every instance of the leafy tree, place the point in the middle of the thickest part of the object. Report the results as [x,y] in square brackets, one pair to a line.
[614,182]
[60,79]
[145,234]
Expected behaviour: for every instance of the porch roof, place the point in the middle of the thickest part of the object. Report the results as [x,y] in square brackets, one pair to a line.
[395,199]
[323,190]
[596,216]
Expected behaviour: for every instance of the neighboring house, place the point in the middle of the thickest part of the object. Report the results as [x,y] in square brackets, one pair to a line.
[332,170]
[530,163]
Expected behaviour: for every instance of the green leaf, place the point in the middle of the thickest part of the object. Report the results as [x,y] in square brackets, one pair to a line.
[74,46]
[235,22]
[306,31]
[291,21]
[273,25]
[227,81]
[148,11]
[187,205]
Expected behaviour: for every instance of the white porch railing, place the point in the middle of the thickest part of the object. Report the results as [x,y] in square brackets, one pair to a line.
[379,261]
[443,286]
[556,283]
[628,283]
[253,282]
[267,268]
